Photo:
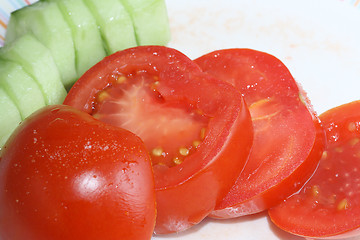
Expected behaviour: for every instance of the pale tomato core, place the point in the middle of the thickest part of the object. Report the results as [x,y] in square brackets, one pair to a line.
[171,130]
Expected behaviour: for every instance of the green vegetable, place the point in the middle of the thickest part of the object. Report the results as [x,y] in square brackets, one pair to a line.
[115,24]
[21,88]
[9,117]
[46,22]
[38,62]
[150,21]
[89,48]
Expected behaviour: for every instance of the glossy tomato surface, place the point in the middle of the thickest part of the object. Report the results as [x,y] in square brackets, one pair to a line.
[66,175]
[288,139]
[197,129]
[328,206]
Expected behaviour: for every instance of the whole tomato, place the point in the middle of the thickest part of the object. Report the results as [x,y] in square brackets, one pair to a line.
[66,175]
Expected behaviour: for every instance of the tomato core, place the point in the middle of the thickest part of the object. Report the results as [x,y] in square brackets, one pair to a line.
[171,130]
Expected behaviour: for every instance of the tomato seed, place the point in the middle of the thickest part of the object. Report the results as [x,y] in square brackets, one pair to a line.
[121,79]
[202,133]
[339,149]
[196,143]
[324,155]
[177,160]
[157,151]
[343,204]
[352,127]
[184,151]
[354,141]
[102,96]
[315,190]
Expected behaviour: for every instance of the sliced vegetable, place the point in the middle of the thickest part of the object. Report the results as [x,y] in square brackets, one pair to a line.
[150,21]
[45,21]
[38,62]
[198,140]
[65,175]
[21,88]
[10,120]
[89,48]
[288,139]
[328,206]
[115,24]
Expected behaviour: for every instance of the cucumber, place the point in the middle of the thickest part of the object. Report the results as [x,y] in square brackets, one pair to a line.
[45,21]
[10,120]
[38,62]
[89,47]
[115,24]
[22,89]
[150,21]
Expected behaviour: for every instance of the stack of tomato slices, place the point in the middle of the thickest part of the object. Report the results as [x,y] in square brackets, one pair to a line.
[228,134]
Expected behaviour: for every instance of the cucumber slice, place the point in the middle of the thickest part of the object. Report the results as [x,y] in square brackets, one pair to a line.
[38,62]
[45,21]
[115,24]
[21,88]
[150,21]
[89,48]
[9,118]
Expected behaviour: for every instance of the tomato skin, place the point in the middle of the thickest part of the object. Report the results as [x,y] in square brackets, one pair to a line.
[288,138]
[65,175]
[327,207]
[188,192]
[197,196]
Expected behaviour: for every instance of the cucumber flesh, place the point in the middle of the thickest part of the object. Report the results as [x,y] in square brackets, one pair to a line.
[22,89]
[115,24]
[38,62]
[89,47]
[10,117]
[45,21]
[150,21]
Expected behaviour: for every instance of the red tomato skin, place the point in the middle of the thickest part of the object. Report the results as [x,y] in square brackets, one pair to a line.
[341,224]
[206,188]
[187,193]
[262,76]
[65,175]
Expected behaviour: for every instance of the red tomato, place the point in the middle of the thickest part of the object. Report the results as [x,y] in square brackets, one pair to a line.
[288,140]
[197,128]
[66,175]
[328,206]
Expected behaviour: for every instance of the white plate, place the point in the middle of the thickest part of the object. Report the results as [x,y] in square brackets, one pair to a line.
[318,40]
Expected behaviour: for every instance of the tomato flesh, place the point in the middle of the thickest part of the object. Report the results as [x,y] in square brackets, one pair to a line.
[65,175]
[288,139]
[197,129]
[171,132]
[328,205]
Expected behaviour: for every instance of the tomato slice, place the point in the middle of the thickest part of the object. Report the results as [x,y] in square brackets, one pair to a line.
[66,175]
[328,206]
[197,129]
[288,139]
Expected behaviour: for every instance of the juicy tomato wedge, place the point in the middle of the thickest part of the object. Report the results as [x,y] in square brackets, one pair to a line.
[66,175]
[328,206]
[288,139]
[197,129]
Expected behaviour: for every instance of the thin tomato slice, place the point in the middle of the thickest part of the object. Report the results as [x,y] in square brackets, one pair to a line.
[328,206]
[288,140]
[197,129]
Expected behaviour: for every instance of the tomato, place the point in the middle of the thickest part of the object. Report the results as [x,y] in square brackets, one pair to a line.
[66,175]
[197,129]
[288,139]
[328,206]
